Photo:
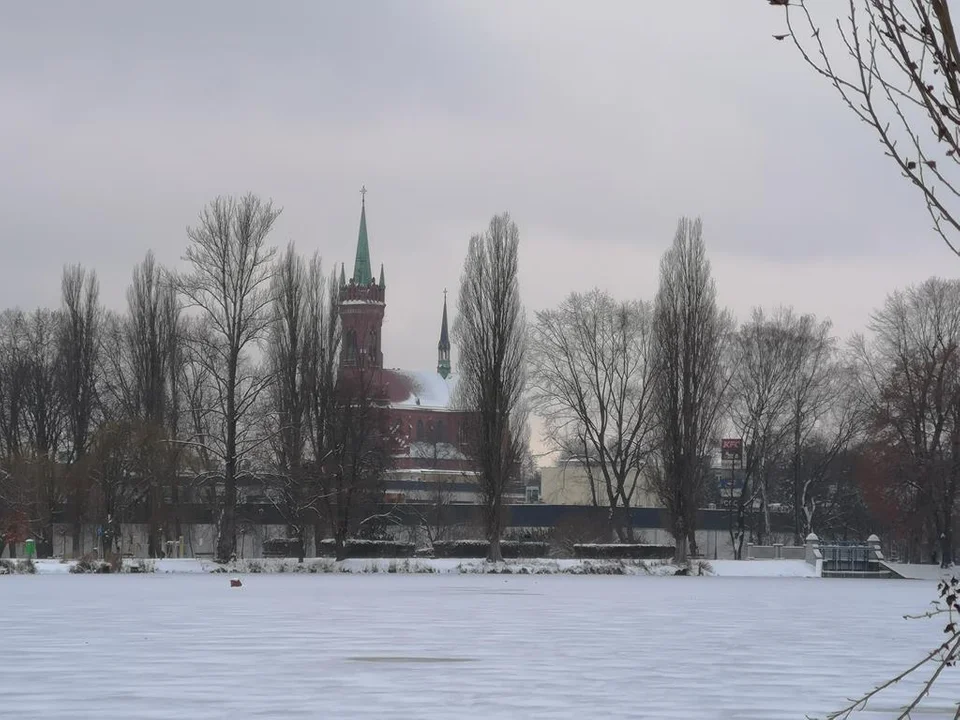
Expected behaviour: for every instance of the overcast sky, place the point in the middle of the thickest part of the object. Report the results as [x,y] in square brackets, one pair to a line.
[595,124]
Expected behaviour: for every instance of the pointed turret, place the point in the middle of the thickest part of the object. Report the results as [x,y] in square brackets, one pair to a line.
[361,305]
[382,283]
[362,274]
[443,347]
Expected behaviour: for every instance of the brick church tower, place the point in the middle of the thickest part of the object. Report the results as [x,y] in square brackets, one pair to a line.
[361,305]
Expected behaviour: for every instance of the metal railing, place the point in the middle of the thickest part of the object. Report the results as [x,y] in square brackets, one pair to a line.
[848,557]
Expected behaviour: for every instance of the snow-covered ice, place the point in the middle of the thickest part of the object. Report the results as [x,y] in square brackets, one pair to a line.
[456,646]
[723,568]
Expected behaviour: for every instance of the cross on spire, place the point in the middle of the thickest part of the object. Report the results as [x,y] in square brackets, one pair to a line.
[444,295]
[363,194]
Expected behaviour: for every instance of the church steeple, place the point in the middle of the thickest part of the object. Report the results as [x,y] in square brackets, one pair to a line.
[443,347]
[362,274]
[361,306]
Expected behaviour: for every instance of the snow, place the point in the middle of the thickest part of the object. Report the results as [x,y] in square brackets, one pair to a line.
[430,388]
[912,571]
[763,568]
[722,568]
[112,647]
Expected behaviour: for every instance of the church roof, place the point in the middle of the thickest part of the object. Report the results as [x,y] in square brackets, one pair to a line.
[362,275]
[425,389]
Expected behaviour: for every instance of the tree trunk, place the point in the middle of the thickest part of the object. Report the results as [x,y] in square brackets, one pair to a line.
[798,538]
[694,548]
[154,539]
[494,554]
[494,532]
[946,548]
[227,542]
[340,544]
[680,539]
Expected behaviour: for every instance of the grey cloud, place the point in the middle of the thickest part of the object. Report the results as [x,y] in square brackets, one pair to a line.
[595,125]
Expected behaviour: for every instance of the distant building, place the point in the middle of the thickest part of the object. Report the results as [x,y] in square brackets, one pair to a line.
[569,483]
[431,463]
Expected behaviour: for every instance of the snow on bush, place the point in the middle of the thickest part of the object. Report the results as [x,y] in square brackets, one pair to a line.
[369,548]
[90,565]
[631,551]
[17,567]
[479,549]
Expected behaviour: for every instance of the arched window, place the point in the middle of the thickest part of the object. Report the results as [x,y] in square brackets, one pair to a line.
[441,434]
[350,347]
[374,347]
[419,430]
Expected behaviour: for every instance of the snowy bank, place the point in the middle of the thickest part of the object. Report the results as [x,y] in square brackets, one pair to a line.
[914,571]
[409,566]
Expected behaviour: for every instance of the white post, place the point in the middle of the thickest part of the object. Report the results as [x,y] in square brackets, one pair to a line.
[813,549]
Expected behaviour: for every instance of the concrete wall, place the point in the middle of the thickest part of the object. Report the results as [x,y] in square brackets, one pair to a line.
[198,540]
[569,484]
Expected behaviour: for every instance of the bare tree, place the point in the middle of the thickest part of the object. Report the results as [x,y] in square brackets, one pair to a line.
[153,336]
[766,363]
[361,442]
[293,351]
[817,391]
[491,335]
[690,343]
[901,77]
[592,378]
[910,383]
[229,287]
[45,420]
[827,424]
[324,340]
[79,341]
[13,382]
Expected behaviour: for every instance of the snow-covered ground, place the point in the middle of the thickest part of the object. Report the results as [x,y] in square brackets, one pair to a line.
[111,647]
[722,568]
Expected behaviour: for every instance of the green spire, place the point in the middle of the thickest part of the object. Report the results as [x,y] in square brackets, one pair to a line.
[443,347]
[382,284]
[361,268]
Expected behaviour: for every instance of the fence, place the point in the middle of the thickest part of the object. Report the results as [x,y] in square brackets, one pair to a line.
[777,551]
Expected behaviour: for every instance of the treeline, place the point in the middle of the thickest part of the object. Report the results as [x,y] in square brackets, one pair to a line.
[216,379]
[223,379]
[845,437]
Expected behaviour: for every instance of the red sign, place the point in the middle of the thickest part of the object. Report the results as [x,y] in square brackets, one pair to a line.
[731,449]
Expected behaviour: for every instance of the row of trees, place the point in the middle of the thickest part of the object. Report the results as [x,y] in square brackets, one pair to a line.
[226,377]
[218,377]
[834,434]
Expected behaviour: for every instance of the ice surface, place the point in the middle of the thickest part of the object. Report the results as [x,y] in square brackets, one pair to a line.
[451,646]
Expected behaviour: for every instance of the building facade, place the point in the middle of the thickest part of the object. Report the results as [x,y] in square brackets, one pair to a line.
[431,462]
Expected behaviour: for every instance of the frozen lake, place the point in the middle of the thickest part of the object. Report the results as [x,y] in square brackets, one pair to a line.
[331,646]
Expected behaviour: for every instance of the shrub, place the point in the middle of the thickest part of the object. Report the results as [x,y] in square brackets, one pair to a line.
[89,564]
[369,549]
[141,566]
[622,551]
[479,548]
[281,548]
